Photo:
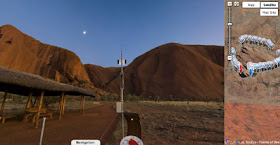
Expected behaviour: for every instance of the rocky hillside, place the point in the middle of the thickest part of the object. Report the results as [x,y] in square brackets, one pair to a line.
[169,72]
[22,52]
[172,72]
[101,76]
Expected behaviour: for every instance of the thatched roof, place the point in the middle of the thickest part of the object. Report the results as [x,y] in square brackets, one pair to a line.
[20,83]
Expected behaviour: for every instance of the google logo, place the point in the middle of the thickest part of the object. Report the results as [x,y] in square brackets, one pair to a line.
[233,141]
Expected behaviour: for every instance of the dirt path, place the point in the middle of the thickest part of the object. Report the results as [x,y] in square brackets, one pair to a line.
[91,125]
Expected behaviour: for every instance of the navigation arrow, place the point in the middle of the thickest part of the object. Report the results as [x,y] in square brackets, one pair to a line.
[251,72]
[240,68]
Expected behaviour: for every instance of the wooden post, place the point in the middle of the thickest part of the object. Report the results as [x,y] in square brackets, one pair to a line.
[84,100]
[63,108]
[39,109]
[81,104]
[60,105]
[28,104]
[35,102]
[3,104]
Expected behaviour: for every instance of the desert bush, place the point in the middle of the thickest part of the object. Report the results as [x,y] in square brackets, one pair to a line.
[110,97]
[18,98]
[116,97]
[130,97]
[14,98]
[82,82]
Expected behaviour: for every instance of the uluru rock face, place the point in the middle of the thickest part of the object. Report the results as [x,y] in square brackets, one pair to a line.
[255,55]
[101,76]
[168,72]
[21,52]
[171,72]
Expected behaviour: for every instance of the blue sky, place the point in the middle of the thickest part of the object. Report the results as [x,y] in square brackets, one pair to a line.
[136,26]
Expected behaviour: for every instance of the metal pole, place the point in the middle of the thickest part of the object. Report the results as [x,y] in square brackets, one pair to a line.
[121,91]
[42,131]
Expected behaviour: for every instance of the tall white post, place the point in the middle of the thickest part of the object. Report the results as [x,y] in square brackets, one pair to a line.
[121,92]
[42,131]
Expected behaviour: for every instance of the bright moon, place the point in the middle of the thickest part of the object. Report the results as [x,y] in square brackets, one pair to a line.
[84,32]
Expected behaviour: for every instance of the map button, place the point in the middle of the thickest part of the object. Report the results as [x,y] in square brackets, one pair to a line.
[269,12]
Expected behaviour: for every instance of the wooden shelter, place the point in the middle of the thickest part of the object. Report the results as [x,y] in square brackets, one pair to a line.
[25,84]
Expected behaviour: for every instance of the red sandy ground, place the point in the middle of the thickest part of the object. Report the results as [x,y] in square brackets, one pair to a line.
[252,122]
[91,125]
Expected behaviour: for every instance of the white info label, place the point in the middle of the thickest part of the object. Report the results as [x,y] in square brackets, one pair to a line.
[85,142]
[269,12]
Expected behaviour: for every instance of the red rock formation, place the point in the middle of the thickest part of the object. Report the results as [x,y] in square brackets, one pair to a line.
[171,71]
[101,76]
[22,52]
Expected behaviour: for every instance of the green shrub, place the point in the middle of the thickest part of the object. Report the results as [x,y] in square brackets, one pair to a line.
[130,97]
[110,97]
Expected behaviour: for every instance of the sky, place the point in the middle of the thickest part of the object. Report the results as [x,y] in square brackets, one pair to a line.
[135,26]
